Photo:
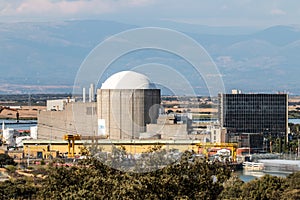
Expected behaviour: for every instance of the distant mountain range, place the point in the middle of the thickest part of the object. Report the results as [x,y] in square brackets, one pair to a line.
[44,57]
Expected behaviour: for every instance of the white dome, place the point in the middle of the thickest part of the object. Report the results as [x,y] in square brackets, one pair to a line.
[127,80]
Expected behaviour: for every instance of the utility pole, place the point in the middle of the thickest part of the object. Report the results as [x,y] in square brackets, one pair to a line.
[29,99]
[298,147]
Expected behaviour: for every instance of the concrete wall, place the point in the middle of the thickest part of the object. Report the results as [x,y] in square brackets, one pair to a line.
[213,134]
[169,131]
[58,104]
[126,112]
[77,118]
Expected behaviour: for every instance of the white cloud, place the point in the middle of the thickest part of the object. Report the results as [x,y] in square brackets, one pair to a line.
[66,8]
[213,13]
[277,11]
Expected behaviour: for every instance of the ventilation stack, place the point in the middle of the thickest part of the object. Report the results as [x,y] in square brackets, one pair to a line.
[83,95]
[91,93]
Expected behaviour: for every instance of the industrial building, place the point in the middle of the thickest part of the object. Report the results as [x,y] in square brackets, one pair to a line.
[128,108]
[58,104]
[249,118]
[126,102]
[42,149]
[75,118]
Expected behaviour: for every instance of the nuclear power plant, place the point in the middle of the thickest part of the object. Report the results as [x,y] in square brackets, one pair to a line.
[127,113]
[126,102]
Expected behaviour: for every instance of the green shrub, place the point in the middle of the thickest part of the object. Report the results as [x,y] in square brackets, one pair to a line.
[11,168]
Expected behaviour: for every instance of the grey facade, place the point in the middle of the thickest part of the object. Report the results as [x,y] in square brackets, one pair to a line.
[76,118]
[254,114]
[168,128]
[127,111]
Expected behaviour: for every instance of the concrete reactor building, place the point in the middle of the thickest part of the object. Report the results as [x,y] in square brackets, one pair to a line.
[126,103]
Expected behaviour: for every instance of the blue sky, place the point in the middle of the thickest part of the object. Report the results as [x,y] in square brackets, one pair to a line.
[251,13]
[274,65]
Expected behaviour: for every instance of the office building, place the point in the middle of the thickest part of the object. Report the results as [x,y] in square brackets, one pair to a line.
[257,116]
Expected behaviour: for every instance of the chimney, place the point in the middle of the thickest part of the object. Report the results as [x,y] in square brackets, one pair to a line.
[90,95]
[83,95]
[92,92]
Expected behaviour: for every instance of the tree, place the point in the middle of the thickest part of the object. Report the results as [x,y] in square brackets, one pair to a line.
[232,188]
[187,179]
[292,186]
[265,188]
[21,188]
[6,160]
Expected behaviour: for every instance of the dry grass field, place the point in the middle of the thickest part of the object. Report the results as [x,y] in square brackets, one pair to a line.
[25,112]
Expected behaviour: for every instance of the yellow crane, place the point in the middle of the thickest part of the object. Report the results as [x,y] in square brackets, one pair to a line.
[71,141]
[231,146]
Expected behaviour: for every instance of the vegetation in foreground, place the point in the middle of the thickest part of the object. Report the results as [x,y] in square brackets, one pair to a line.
[187,179]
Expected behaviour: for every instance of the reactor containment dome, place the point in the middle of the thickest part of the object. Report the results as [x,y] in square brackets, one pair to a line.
[128,80]
[126,103]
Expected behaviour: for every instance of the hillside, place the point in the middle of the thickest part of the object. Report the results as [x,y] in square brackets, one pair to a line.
[44,57]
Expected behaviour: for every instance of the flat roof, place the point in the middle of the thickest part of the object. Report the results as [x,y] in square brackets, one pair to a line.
[116,142]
